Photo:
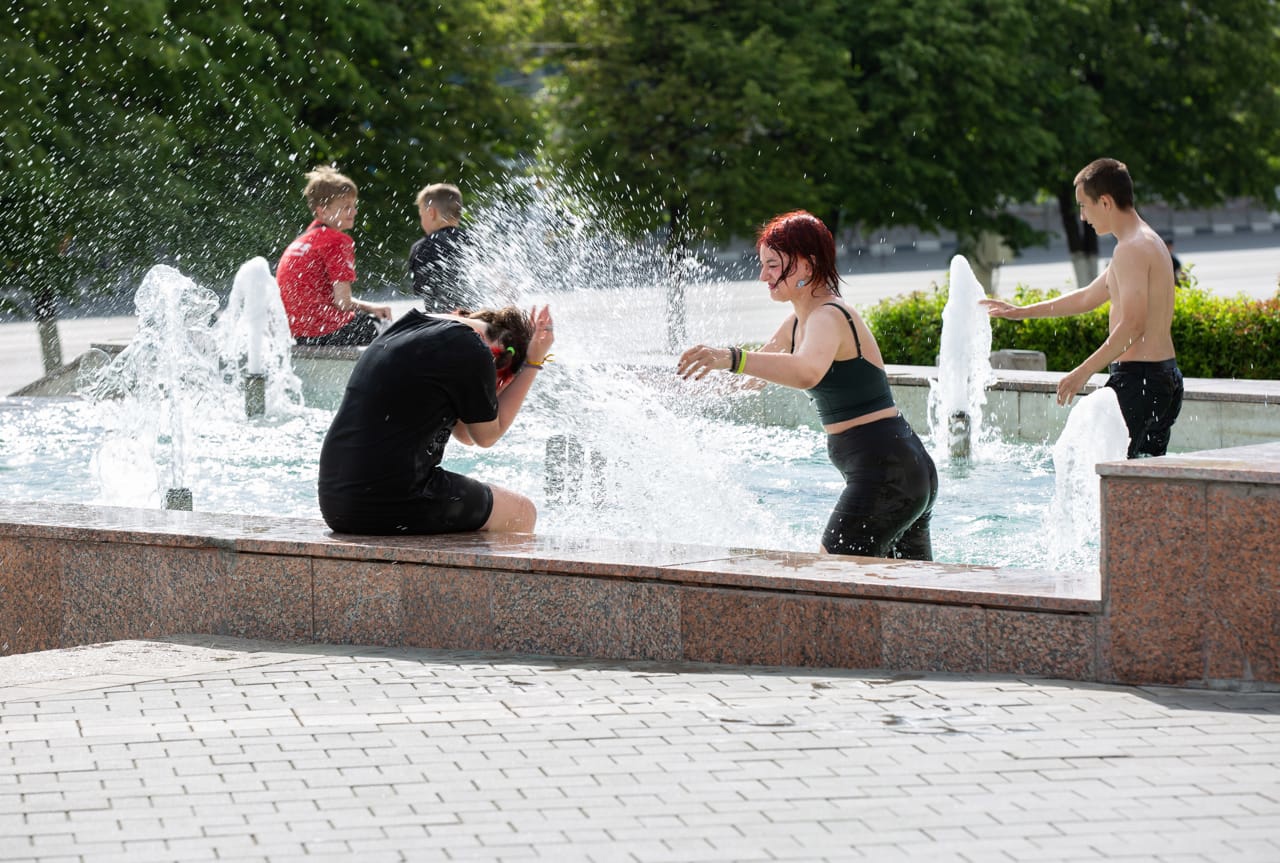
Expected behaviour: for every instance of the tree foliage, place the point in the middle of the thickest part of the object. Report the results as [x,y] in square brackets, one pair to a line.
[148,130]
[137,131]
[904,112]
[951,134]
[701,116]
[1163,87]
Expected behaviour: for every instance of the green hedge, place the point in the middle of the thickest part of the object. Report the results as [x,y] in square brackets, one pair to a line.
[1215,337]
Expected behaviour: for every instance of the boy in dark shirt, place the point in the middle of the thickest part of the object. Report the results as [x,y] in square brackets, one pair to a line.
[435,262]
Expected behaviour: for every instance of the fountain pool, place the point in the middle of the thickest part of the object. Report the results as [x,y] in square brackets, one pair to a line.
[659,474]
[660,458]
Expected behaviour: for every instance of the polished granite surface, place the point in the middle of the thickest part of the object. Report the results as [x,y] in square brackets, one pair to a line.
[1259,463]
[599,557]
[1188,590]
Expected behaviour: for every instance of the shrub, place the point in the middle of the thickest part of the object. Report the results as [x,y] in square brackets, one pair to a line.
[1215,337]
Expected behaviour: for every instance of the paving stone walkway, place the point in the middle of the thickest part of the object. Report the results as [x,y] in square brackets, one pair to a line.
[199,748]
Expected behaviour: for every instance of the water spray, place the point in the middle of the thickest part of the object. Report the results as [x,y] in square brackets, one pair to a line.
[958,395]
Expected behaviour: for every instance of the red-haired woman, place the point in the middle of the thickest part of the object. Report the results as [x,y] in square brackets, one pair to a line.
[825,348]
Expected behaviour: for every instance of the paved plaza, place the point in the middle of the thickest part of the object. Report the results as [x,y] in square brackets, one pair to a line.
[199,748]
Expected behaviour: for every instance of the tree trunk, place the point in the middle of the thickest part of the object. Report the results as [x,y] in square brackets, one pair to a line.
[676,303]
[46,315]
[1082,240]
[987,252]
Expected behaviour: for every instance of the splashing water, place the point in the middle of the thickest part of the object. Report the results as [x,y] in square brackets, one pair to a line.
[160,393]
[252,334]
[959,394]
[1095,432]
[639,453]
[538,238]
[653,457]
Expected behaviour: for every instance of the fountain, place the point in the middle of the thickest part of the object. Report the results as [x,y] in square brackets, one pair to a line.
[687,540]
[957,398]
[154,389]
[611,442]
[252,334]
[178,374]
[1095,432]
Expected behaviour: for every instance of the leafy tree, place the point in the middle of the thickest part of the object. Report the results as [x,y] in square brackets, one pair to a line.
[701,118]
[150,130]
[948,134]
[708,115]
[1160,86]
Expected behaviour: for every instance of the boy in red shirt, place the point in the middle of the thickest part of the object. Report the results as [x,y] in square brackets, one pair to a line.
[317,269]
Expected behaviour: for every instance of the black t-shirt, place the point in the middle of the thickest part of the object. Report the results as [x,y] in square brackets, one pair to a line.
[407,391]
[435,262]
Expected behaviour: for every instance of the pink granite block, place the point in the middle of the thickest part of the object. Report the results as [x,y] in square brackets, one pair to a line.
[923,637]
[1242,582]
[120,591]
[1153,564]
[358,603]
[731,626]
[564,615]
[655,622]
[1041,644]
[830,632]
[268,596]
[30,595]
[448,609]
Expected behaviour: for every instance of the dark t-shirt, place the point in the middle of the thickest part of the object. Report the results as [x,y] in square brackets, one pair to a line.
[407,391]
[435,262]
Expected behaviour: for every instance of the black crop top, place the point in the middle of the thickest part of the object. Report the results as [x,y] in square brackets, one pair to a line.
[850,388]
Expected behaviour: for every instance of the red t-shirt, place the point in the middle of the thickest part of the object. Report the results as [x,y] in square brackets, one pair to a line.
[307,271]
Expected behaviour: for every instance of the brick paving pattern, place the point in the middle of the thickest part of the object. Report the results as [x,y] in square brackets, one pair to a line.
[199,748]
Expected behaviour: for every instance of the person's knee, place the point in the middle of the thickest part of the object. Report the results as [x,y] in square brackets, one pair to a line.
[526,517]
[512,513]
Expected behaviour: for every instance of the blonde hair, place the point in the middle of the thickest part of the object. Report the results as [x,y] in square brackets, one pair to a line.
[445,197]
[324,184]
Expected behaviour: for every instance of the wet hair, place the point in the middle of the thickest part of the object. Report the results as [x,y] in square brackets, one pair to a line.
[800,234]
[445,197]
[325,184]
[1107,177]
[509,327]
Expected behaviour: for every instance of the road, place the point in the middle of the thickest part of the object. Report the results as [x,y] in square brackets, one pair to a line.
[1243,263]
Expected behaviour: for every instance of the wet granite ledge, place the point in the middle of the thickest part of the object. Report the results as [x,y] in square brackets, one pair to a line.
[75,574]
[1188,594]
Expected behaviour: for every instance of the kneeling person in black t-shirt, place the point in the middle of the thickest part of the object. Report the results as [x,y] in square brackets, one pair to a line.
[426,378]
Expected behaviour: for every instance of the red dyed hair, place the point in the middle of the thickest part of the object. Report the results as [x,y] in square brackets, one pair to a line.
[800,234]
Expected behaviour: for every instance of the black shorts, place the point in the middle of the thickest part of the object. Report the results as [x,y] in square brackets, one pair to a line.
[359,331]
[452,503]
[890,488]
[1150,397]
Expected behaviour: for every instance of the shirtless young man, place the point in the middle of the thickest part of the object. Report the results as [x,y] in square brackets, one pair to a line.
[1139,283]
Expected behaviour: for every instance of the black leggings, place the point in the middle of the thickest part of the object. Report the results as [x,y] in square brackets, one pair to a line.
[890,487]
